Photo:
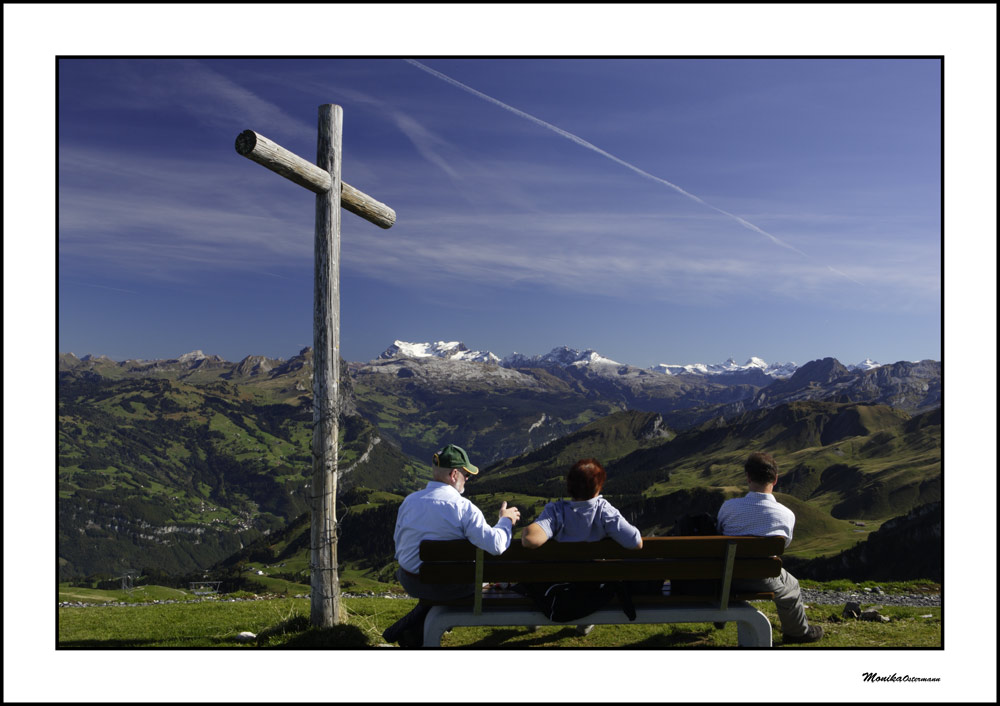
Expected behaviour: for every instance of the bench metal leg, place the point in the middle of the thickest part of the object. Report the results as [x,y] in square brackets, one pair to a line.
[753,629]
[435,625]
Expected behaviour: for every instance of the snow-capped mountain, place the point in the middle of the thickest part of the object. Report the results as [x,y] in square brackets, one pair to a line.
[775,370]
[451,350]
[565,357]
[562,357]
[455,350]
[866,364]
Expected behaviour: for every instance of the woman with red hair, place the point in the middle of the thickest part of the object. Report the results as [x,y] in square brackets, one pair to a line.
[587,517]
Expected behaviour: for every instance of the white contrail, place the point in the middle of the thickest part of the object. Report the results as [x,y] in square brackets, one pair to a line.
[583,143]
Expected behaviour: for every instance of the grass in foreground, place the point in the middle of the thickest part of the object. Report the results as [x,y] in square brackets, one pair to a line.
[907,629]
[284,623]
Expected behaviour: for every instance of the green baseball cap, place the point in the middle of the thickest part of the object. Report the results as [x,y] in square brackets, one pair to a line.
[452,456]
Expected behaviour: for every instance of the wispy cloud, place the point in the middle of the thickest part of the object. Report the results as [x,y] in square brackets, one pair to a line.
[582,252]
[189,87]
[97,286]
[468,178]
[158,217]
[169,219]
[161,216]
[584,143]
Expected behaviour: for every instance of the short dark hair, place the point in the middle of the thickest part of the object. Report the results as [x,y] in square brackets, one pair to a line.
[761,468]
[585,479]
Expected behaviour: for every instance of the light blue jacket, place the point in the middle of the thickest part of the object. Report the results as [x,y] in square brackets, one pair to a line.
[587,521]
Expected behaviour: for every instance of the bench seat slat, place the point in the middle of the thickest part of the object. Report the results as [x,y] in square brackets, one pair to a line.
[462,572]
[653,548]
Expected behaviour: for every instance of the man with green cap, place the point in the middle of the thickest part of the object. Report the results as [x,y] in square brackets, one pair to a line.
[440,512]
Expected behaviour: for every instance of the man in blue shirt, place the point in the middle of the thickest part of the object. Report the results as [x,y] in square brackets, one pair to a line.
[440,512]
[758,514]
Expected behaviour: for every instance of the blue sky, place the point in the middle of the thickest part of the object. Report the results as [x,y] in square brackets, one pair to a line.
[657,210]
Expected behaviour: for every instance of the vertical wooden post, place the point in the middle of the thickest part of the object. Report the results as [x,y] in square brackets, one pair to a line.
[324,582]
[322,178]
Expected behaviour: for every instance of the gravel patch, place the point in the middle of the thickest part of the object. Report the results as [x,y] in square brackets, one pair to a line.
[815,597]
[809,597]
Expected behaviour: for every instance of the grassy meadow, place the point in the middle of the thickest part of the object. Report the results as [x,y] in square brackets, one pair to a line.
[284,623]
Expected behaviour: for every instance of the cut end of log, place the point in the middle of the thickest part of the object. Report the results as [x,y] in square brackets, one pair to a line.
[246,141]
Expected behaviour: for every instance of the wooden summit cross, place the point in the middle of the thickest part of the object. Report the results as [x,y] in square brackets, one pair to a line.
[323,178]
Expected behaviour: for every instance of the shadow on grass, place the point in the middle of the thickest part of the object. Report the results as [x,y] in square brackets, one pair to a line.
[680,639]
[178,643]
[498,638]
[344,637]
[701,638]
[347,637]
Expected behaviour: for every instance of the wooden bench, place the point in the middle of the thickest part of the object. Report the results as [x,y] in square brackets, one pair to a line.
[663,558]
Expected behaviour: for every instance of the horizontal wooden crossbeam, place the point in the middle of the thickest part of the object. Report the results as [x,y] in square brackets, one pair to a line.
[263,151]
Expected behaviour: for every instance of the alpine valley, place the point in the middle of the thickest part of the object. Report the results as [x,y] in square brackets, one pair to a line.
[177,467]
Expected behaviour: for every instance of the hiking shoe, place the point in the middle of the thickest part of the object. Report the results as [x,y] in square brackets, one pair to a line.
[412,637]
[584,629]
[391,634]
[813,634]
[414,618]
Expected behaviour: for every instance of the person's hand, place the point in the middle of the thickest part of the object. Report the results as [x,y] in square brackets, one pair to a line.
[512,512]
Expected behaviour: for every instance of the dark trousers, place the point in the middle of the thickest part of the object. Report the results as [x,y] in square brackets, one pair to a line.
[787,599]
[409,630]
[432,591]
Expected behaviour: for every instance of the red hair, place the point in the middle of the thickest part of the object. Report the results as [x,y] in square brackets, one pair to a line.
[585,479]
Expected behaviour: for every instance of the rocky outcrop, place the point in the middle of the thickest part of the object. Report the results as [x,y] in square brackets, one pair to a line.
[254,365]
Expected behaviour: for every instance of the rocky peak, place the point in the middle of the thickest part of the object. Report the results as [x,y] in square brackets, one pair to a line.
[255,365]
[447,350]
[94,358]
[819,371]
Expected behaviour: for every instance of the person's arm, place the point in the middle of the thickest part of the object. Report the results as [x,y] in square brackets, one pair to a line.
[618,528]
[511,513]
[533,536]
[721,519]
[496,539]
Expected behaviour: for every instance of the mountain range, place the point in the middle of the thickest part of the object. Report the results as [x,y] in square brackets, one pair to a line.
[564,356]
[181,462]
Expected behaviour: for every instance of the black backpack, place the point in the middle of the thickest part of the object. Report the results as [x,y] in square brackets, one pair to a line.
[700,525]
[568,601]
[696,525]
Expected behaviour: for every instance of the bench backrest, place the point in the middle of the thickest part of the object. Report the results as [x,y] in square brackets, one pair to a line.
[703,557]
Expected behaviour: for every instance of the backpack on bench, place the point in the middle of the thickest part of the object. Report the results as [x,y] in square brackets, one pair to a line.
[696,525]
[568,601]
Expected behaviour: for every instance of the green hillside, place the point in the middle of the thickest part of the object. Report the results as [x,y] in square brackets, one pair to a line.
[493,423]
[656,476]
[840,464]
[181,465]
[176,476]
